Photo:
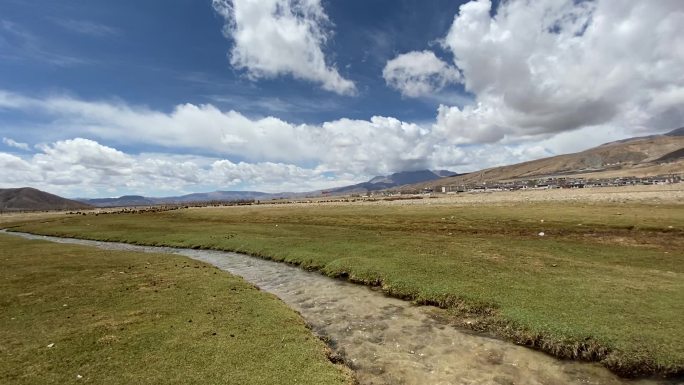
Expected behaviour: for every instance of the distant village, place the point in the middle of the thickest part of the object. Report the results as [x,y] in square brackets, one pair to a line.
[554,183]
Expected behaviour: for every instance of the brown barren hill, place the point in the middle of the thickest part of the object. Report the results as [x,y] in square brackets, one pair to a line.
[30,199]
[638,157]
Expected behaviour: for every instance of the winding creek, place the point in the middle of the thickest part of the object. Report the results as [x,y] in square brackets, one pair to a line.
[387,340]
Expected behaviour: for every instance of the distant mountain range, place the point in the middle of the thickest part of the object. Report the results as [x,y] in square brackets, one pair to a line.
[30,199]
[375,184]
[389,181]
[126,200]
[219,196]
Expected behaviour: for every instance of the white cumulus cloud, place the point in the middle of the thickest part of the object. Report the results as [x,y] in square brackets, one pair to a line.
[13,143]
[419,73]
[551,66]
[281,37]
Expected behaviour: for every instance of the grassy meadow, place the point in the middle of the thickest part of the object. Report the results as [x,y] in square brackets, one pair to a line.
[605,282]
[79,314]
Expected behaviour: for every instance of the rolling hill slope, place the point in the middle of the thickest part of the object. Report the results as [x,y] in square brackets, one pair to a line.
[27,198]
[638,157]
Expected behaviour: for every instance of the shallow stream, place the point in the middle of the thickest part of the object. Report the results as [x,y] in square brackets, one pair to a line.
[387,340]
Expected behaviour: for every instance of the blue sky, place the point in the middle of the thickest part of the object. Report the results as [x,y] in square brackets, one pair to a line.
[161,53]
[104,98]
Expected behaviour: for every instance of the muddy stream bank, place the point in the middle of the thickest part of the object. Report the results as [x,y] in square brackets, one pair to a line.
[387,340]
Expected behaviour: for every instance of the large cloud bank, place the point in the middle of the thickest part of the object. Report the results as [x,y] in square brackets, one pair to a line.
[266,154]
[550,66]
[83,166]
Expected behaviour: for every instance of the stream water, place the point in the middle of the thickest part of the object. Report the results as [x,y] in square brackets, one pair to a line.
[387,340]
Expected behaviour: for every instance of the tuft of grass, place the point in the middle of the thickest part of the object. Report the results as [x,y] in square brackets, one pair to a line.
[605,283]
[123,317]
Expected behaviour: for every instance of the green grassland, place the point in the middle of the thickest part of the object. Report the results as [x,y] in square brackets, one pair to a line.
[136,318]
[605,283]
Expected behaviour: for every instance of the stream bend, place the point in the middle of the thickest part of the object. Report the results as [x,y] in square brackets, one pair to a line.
[387,340]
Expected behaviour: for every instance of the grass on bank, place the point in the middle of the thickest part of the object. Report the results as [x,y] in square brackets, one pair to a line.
[135,318]
[605,283]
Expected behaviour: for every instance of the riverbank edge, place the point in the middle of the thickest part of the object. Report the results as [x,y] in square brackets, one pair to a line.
[477,317]
[341,363]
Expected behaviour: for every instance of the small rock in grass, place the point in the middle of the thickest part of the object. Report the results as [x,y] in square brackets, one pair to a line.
[541,234]
[51,345]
